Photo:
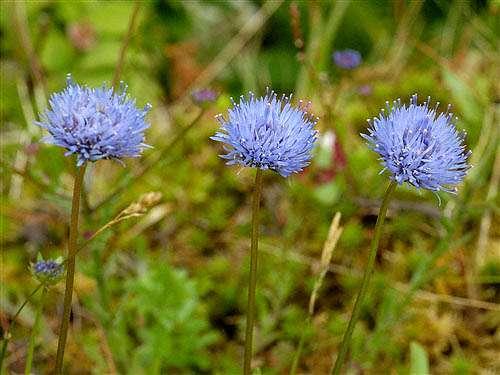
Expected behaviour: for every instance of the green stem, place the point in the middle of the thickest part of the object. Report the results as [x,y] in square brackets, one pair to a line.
[366,280]
[6,337]
[253,272]
[300,347]
[70,270]
[34,332]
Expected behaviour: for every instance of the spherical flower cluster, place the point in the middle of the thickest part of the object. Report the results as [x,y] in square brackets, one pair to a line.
[95,123]
[268,133]
[203,96]
[347,59]
[419,146]
[48,271]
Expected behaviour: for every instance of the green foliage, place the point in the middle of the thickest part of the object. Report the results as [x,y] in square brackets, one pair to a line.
[161,325]
[461,366]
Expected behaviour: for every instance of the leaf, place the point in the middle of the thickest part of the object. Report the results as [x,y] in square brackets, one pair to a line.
[470,108]
[419,360]
[328,194]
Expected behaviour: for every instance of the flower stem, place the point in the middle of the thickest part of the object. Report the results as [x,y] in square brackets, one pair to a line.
[70,273]
[253,272]
[34,332]
[366,279]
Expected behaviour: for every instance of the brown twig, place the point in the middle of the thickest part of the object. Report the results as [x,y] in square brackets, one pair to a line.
[298,39]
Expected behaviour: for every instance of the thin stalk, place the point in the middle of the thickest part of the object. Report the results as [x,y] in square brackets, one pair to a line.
[6,337]
[70,270]
[298,353]
[253,272]
[34,332]
[326,256]
[125,44]
[20,25]
[366,280]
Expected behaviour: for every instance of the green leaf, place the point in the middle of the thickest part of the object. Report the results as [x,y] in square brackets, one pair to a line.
[328,194]
[469,106]
[419,360]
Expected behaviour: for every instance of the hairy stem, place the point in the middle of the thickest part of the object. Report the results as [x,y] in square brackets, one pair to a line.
[70,270]
[253,272]
[34,332]
[366,280]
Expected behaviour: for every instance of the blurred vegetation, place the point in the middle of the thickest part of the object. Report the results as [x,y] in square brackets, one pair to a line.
[166,292]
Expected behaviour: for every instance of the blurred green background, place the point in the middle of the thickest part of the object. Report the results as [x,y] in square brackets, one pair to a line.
[166,292]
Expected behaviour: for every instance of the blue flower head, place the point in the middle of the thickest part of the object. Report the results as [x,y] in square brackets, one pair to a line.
[95,123]
[48,271]
[347,59]
[268,133]
[419,146]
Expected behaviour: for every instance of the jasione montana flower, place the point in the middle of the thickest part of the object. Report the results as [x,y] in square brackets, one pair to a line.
[203,96]
[419,146]
[48,271]
[268,133]
[347,59]
[95,123]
